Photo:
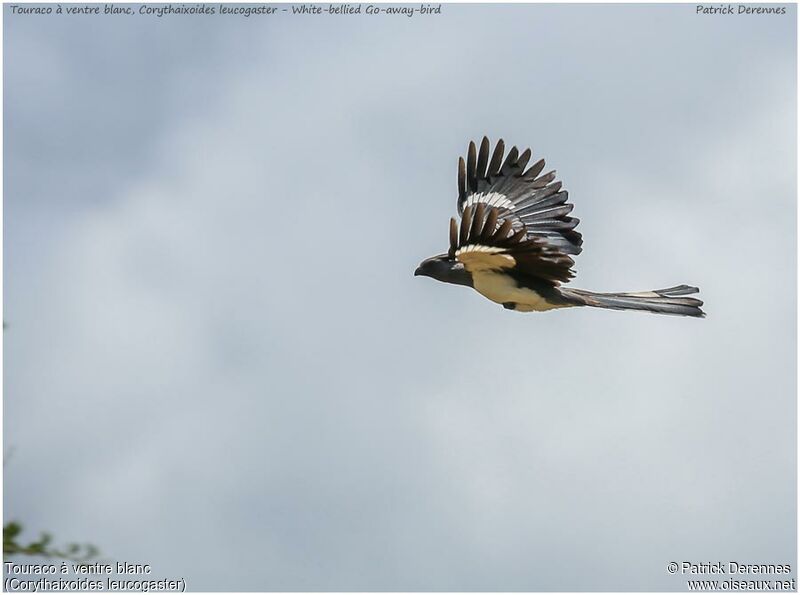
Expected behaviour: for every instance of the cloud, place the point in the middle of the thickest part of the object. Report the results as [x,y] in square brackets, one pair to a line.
[241,383]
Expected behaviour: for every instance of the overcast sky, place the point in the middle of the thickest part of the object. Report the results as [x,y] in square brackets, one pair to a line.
[219,363]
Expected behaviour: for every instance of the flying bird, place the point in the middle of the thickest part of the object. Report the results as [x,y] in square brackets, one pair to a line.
[516,239]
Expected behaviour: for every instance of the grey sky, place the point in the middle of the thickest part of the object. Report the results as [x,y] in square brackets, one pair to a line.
[219,363]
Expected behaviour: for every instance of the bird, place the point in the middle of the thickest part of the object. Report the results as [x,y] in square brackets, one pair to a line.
[516,241]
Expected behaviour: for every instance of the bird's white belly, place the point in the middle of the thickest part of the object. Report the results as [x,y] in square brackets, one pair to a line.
[503,289]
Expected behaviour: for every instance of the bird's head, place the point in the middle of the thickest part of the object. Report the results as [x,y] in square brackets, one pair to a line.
[435,266]
[443,267]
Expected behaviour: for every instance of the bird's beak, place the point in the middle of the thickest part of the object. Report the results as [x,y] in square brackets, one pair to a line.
[418,272]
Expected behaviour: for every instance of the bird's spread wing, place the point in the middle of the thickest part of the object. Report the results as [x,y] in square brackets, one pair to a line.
[529,199]
[486,241]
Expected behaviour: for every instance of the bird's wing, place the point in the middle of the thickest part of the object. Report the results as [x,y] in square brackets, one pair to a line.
[486,241]
[529,200]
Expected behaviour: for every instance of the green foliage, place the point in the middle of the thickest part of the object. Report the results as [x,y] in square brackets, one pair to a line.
[41,547]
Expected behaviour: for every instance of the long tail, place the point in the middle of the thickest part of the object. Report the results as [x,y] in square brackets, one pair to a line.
[661,301]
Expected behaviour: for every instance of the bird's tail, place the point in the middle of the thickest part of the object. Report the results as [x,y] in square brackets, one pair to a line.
[672,300]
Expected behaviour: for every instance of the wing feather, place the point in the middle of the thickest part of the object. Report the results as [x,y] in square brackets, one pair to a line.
[483,158]
[462,182]
[532,201]
[490,227]
[497,158]
[472,167]
[466,221]
[482,245]
[477,221]
[534,170]
[453,238]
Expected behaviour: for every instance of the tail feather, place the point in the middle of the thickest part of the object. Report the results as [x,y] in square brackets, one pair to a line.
[660,301]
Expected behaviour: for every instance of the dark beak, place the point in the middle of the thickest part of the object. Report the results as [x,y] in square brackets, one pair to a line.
[418,272]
